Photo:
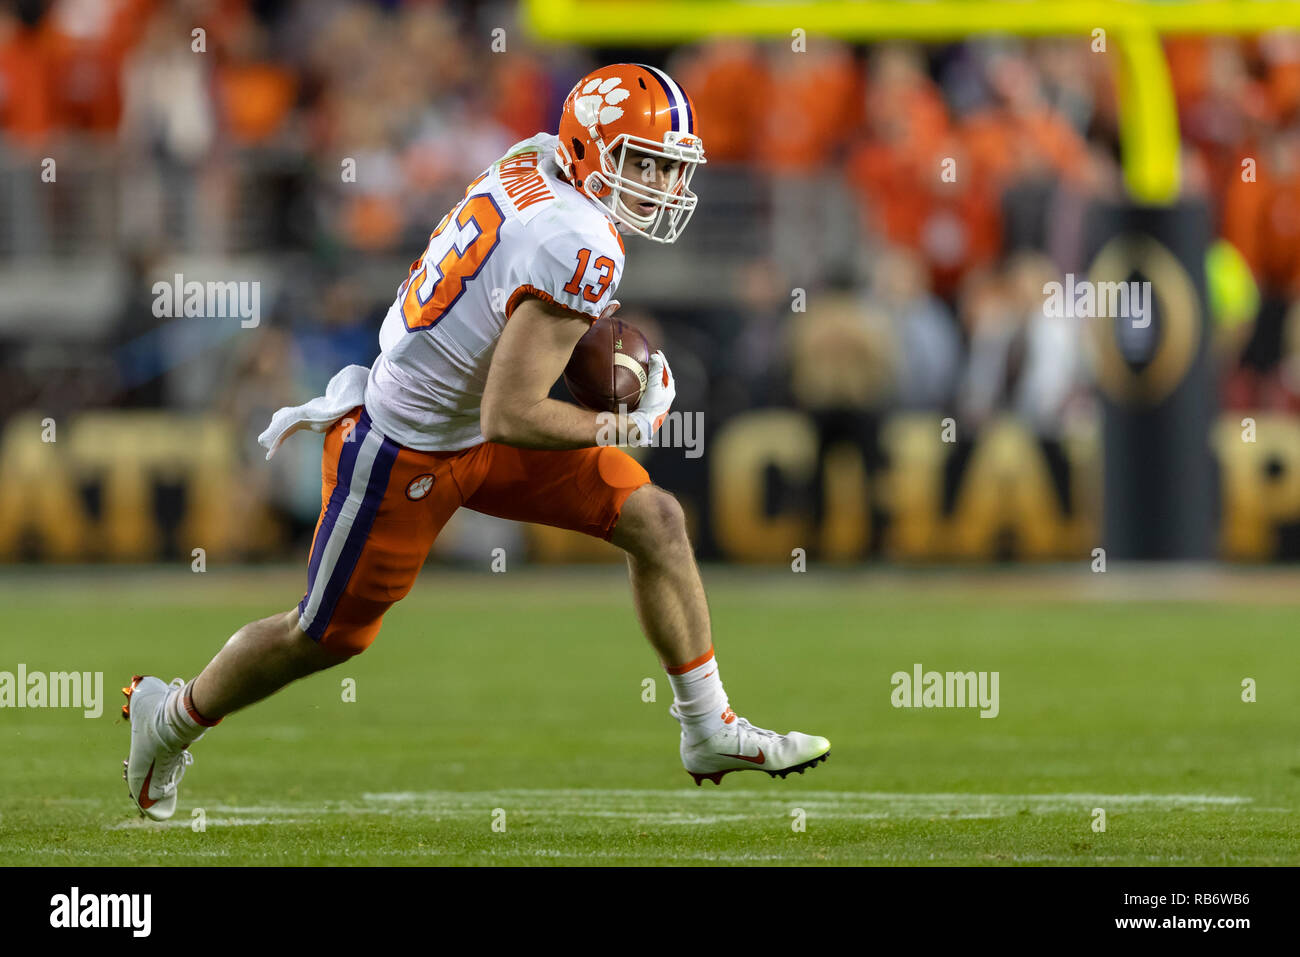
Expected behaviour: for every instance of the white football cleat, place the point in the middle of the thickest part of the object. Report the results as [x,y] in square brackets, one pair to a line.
[739,746]
[154,769]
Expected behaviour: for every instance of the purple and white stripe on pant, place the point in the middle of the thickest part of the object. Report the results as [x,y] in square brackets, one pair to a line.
[364,466]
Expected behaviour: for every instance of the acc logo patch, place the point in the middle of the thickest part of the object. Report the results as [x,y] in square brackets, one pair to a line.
[419,486]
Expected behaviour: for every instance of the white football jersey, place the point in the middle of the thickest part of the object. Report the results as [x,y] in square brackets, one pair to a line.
[520,230]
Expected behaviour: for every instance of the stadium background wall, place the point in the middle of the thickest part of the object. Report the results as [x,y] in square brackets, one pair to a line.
[152,486]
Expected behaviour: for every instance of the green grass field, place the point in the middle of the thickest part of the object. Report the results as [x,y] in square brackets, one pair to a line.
[523,692]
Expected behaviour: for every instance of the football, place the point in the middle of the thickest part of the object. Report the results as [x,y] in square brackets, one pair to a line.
[609,367]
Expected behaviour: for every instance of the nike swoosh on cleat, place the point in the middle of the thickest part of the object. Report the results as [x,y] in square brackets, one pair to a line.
[745,757]
[144,800]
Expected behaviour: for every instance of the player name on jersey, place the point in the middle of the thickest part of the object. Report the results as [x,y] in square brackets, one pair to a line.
[521,180]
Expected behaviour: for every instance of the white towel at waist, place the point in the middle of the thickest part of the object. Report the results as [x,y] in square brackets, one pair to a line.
[346,391]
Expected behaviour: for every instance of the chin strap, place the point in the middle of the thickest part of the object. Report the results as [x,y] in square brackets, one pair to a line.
[566,174]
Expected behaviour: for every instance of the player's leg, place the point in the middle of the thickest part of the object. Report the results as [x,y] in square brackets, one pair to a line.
[257,661]
[382,507]
[604,492]
[666,586]
[670,602]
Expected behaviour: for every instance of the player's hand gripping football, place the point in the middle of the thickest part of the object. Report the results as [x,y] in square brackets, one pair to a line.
[660,391]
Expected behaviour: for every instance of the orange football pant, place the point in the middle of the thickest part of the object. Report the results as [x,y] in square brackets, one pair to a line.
[382,506]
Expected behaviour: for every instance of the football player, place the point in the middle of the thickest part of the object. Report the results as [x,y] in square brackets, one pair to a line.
[455,412]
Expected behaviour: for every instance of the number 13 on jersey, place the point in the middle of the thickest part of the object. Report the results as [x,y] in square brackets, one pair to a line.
[457,250]
[589,292]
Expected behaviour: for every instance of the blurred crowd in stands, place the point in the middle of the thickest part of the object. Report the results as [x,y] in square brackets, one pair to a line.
[936,304]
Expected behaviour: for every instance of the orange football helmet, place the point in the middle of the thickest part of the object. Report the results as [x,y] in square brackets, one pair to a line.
[624,107]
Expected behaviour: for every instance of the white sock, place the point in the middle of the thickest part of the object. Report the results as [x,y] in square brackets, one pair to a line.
[701,702]
[179,724]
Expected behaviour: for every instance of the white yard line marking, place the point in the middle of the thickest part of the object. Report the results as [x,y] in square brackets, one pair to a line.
[668,808]
[140,823]
[860,800]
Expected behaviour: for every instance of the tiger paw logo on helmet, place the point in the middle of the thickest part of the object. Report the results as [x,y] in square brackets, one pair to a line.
[598,102]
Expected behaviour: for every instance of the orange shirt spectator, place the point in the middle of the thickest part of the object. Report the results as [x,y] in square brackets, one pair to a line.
[27,104]
[814,108]
[1280,53]
[1262,219]
[1021,135]
[1189,65]
[953,226]
[522,95]
[1005,146]
[728,82]
[255,99]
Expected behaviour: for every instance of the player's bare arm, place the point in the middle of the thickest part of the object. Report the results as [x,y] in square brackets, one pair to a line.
[537,342]
[530,356]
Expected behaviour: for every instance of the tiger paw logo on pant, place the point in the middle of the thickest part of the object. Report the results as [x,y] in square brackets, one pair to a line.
[419,487]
